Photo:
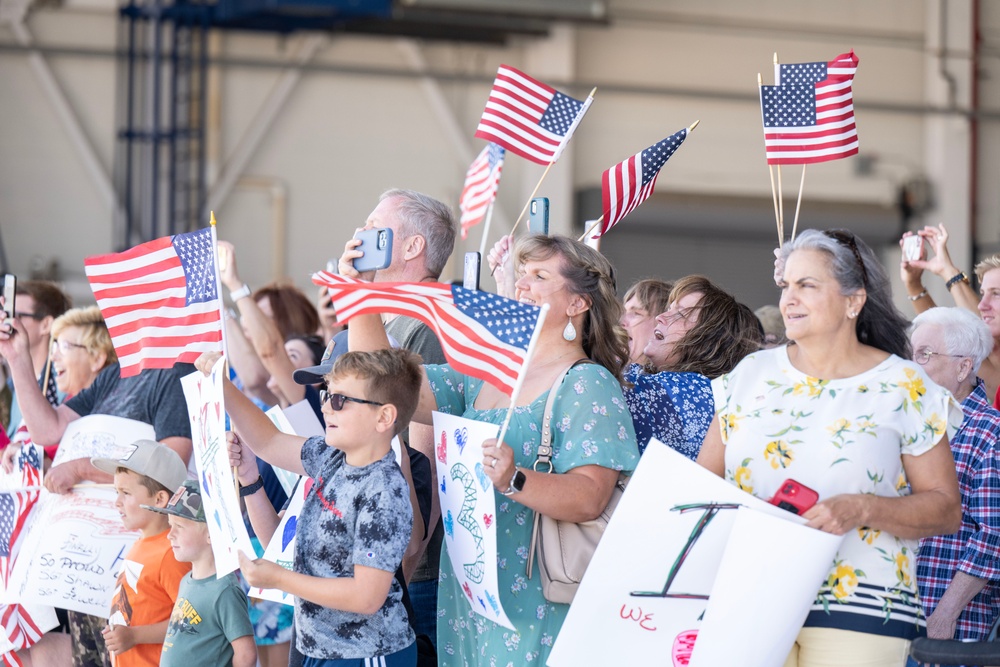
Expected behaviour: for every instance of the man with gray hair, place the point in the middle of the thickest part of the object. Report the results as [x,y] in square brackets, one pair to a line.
[959,575]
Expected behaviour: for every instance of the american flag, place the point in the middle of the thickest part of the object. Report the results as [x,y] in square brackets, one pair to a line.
[482,334]
[529,118]
[160,300]
[17,622]
[481,183]
[629,183]
[809,113]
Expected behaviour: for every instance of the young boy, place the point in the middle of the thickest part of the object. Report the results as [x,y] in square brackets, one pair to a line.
[210,623]
[148,581]
[356,521]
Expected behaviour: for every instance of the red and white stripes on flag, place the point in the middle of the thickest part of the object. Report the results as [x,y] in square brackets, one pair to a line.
[160,300]
[529,118]
[482,334]
[480,189]
[809,113]
[629,183]
[17,622]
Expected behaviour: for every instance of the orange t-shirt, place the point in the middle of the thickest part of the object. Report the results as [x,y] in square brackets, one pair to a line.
[145,593]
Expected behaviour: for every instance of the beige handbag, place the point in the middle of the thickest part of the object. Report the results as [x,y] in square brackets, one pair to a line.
[564,548]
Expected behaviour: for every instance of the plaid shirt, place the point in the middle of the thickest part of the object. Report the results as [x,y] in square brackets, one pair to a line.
[975,548]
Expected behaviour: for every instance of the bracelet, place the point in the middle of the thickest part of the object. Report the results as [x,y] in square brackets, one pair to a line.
[252,488]
[961,277]
[241,293]
[918,297]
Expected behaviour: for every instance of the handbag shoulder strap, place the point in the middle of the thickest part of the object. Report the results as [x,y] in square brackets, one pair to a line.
[544,456]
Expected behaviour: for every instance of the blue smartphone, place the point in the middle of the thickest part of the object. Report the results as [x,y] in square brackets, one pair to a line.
[538,215]
[376,243]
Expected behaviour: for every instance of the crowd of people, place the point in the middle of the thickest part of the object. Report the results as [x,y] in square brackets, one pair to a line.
[893,424]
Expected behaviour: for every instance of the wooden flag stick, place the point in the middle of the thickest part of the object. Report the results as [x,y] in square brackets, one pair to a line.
[526,205]
[486,229]
[781,206]
[594,226]
[798,202]
[774,198]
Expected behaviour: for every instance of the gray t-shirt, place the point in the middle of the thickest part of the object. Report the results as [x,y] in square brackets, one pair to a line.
[416,336]
[208,616]
[351,516]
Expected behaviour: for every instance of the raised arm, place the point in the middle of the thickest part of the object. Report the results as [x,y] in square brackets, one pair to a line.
[940,264]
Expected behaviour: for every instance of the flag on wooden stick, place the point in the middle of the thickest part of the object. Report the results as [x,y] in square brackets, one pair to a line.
[809,112]
[160,300]
[482,334]
[481,183]
[529,118]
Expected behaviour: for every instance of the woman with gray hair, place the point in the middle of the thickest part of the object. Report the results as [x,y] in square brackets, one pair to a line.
[842,409]
[958,574]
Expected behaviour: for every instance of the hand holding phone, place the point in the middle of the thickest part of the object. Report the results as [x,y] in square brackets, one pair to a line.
[9,297]
[913,248]
[376,244]
[794,497]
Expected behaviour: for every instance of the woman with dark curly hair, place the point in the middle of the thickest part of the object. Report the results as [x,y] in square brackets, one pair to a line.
[704,333]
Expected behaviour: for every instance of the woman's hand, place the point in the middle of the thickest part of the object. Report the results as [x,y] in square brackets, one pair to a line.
[939,263]
[243,459]
[498,463]
[501,263]
[207,361]
[838,514]
[345,266]
[909,272]
[779,267]
[227,266]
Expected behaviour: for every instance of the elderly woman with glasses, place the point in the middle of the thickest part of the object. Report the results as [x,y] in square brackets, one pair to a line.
[958,574]
[842,409]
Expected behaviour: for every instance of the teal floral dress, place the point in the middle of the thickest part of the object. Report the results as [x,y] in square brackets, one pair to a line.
[591,425]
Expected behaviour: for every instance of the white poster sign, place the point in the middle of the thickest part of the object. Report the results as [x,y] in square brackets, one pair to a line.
[281,548]
[75,551]
[100,436]
[215,476]
[468,510]
[654,574]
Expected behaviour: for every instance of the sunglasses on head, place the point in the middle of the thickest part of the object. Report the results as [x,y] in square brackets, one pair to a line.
[337,400]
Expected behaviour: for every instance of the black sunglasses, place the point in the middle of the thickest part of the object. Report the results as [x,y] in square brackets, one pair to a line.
[337,400]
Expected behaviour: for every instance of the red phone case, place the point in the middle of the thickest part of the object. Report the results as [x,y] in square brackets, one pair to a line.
[794,497]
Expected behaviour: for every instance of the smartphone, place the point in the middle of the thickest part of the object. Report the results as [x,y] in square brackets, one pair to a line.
[538,215]
[9,292]
[913,248]
[470,279]
[376,243]
[794,497]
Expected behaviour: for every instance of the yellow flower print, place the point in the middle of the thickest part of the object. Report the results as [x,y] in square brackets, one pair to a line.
[812,387]
[742,476]
[862,389]
[843,580]
[935,424]
[839,427]
[732,423]
[868,535]
[902,560]
[901,482]
[778,454]
[914,384]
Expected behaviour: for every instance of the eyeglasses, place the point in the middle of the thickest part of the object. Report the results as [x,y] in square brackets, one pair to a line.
[64,346]
[846,238]
[33,316]
[924,355]
[337,400]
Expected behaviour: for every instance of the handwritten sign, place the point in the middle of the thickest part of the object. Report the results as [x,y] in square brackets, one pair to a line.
[678,540]
[74,551]
[218,486]
[468,509]
[281,548]
[100,436]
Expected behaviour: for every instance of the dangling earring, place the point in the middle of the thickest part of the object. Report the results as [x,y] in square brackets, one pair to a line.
[569,332]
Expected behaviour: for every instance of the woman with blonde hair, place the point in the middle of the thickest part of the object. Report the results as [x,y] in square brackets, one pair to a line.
[592,438]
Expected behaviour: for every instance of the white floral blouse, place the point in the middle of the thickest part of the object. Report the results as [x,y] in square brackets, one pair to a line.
[839,436]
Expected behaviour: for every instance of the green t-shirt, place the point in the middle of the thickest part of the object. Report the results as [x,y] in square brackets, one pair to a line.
[208,616]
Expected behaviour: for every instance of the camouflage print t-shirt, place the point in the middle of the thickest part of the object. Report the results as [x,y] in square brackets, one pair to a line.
[351,516]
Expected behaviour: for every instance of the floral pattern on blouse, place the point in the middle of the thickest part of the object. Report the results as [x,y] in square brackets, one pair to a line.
[674,408]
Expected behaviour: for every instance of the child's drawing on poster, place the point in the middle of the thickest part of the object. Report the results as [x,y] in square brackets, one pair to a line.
[661,581]
[281,548]
[218,486]
[468,508]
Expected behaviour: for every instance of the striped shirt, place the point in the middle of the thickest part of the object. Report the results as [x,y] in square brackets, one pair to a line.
[975,548]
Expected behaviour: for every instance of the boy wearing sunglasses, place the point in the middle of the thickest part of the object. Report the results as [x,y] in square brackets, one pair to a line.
[355,524]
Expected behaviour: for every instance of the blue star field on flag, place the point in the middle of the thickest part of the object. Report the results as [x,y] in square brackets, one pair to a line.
[792,105]
[802,73]
[560,114]
[654,157]
[508,320]
[196,254]
[8,514]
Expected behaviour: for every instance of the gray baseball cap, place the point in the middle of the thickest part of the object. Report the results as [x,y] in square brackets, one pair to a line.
[149,458]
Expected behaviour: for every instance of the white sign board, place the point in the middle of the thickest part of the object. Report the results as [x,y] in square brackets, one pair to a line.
[281,548]
[100,436]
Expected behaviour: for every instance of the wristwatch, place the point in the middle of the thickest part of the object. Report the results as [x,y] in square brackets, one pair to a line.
[241,293]
[252,488]
[516,483]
